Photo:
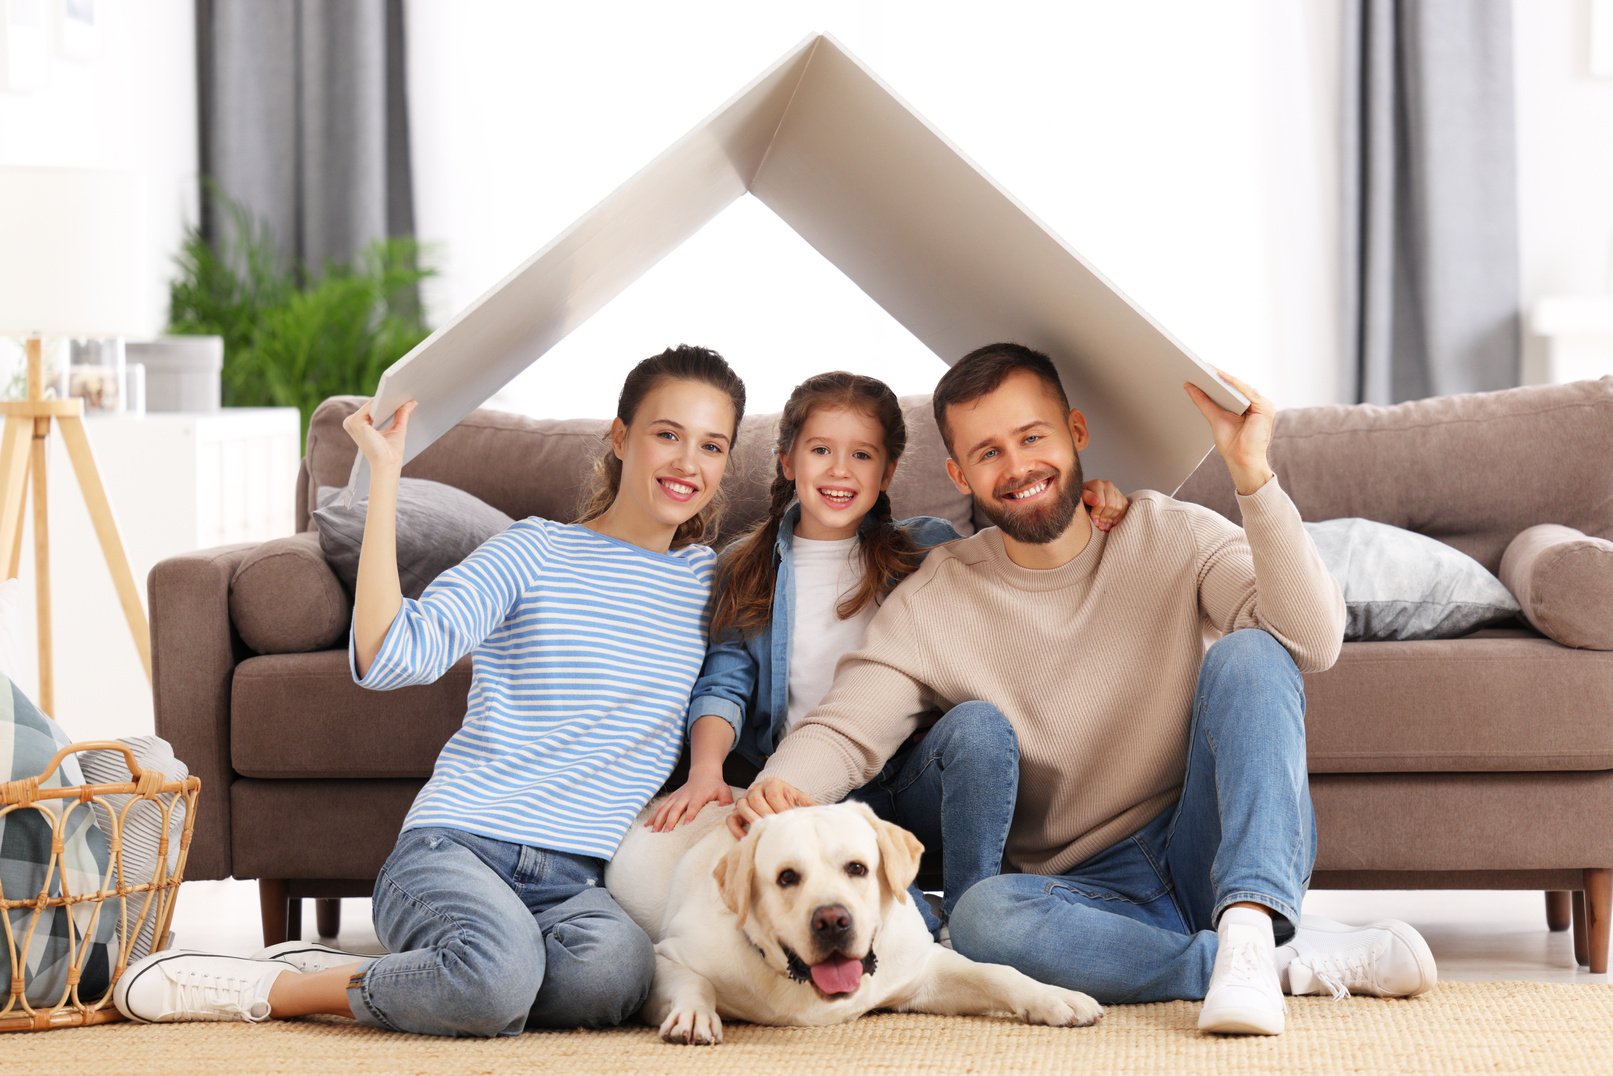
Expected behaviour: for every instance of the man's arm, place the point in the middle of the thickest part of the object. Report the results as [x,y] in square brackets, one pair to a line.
[878,694]
[1269,576]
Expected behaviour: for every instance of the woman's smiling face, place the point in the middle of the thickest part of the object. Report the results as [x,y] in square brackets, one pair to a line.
[839,466]
[673,454]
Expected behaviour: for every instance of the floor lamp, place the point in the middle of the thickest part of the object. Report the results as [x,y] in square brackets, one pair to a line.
[70,250]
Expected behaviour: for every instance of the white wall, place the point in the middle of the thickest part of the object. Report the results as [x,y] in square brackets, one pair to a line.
[1186,149]
[132,107]
[1565,156]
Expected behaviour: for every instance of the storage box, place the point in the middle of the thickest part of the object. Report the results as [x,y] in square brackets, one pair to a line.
[182,372]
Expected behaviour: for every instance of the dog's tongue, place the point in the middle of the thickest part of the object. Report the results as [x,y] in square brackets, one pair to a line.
[838,976]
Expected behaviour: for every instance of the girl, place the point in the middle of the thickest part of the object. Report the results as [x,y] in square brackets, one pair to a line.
[798,590]
[586,640]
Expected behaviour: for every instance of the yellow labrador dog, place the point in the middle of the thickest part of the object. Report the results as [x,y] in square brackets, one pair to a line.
[806,921]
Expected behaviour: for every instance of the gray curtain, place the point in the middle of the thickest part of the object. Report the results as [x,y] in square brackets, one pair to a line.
[304,120]
[1430,187]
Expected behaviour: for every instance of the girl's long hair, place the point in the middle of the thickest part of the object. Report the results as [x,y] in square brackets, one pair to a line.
[743,595]
[681,363]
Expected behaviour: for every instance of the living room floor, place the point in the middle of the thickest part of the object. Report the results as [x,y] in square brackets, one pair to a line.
[1475,934]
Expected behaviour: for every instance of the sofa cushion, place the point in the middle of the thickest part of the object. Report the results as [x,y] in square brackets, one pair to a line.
[301,715]
[1564,580]
[437,527]
[1470,470]
[1400,585]
[1498,700]
[527,466]
[284,598]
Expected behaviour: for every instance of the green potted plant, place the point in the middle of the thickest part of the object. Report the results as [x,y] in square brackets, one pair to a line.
[292,336]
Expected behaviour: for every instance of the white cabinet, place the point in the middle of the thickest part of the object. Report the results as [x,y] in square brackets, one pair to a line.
[176,482]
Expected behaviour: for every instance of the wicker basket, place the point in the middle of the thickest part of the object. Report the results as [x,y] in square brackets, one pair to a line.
[136,901]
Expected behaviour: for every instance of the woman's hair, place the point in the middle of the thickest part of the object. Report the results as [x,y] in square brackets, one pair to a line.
[681,363]
[743,595]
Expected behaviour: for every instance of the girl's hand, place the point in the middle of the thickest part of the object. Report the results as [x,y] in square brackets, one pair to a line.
[687,801]
[1104,501]
[382,448]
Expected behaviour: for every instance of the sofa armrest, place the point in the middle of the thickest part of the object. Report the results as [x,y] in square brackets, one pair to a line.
[1563,579]
[194,650]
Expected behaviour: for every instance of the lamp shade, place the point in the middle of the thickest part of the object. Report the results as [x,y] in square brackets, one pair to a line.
[71,252]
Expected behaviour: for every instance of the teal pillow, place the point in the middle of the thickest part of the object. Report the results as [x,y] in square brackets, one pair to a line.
[28,740]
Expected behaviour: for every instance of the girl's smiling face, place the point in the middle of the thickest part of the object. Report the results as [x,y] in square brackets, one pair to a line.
[839,466]
[673,457]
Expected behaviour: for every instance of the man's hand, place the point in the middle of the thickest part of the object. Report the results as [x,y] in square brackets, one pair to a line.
[768,796]
[1105,503]
[686,802]
[1242,439]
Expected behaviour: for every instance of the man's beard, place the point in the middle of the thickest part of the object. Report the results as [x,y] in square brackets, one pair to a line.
[1047,521]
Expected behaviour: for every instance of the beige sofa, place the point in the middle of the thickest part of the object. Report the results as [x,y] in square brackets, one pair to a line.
[1480,762]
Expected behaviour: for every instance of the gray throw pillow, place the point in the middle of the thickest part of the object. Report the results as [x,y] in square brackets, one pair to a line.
[1398,584]
[438,526]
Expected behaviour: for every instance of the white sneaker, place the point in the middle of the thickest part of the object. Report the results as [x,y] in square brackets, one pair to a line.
[1387,959]
[185,985]
[1244,996]
[308,956]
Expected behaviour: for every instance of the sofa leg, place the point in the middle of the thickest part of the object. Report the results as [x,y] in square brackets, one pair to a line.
[1559,909]
[1598,905]
[1579,926]
[274,907]
[328,916]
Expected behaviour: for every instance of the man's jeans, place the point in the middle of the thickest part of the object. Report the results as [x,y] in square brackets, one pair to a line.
[487,938]
[955,790]
[1136,922]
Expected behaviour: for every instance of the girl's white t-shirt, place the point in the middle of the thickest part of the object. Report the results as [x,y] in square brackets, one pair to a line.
[825,573]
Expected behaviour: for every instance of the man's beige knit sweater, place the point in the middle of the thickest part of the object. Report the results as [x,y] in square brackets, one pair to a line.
[1093,662]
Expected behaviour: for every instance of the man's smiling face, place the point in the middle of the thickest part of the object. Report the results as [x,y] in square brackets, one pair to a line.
[1016,450]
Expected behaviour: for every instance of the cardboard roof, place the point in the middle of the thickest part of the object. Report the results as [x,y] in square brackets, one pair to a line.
[891,203]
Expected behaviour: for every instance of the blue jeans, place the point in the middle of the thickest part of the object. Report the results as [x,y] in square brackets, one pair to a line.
[488,938]
[1136,922]
[955,790]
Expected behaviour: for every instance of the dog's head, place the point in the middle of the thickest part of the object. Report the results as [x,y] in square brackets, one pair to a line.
[811,886]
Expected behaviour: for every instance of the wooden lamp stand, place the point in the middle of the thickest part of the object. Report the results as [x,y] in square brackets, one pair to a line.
[23,455]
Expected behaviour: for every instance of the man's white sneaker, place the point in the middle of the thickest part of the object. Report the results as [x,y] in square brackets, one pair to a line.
[184,985]
[1244,996]
[309,956]
[1387,959]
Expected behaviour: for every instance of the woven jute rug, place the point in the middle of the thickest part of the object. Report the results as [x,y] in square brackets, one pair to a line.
[1458,1028]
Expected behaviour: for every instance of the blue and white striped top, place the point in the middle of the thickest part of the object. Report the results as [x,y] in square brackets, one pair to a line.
[586,648]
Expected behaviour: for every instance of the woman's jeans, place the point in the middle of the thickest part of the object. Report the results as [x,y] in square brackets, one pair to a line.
[488,938]
[954,789]
[1136,922]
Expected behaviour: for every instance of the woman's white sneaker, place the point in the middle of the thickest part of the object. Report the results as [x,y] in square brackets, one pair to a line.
[309,956]
[1386,959]
[183,985]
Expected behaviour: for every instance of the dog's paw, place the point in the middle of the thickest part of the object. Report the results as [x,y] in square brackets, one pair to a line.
[1062,1008]
[692,1027]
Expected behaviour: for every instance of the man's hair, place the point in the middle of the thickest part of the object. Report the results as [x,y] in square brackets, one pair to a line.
[981,371]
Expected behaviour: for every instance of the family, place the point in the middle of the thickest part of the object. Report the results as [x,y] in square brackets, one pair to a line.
[1122,811]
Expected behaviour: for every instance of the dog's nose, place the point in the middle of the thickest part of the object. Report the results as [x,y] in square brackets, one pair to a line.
[831,923]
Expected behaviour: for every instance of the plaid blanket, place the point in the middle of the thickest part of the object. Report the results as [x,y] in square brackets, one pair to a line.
[28,739]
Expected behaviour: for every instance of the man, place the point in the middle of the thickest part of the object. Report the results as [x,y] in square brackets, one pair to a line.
[1164,831]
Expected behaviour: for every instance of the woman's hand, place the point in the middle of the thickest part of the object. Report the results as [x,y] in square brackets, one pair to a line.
[686,802]
[1105,503]
[382,448]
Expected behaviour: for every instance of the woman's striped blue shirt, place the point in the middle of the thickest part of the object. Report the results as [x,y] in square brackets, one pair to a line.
[585,649]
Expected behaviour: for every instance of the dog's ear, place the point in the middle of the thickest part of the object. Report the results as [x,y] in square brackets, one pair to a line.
[899,852]
[735,872]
